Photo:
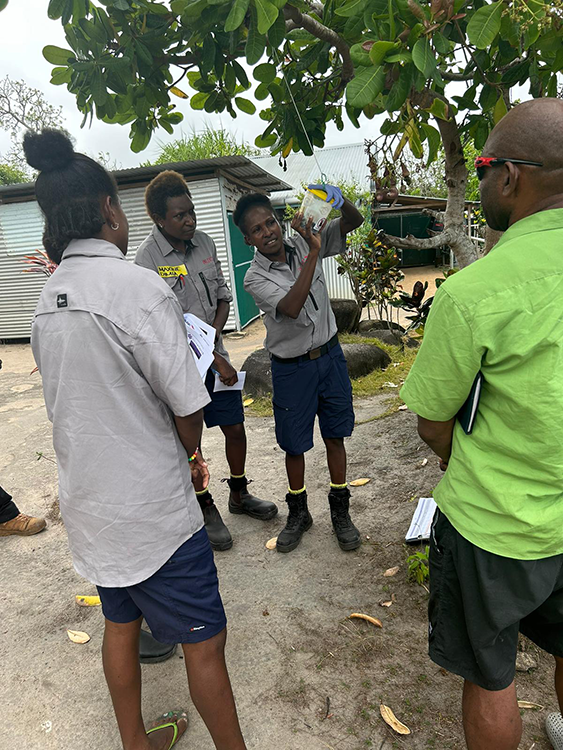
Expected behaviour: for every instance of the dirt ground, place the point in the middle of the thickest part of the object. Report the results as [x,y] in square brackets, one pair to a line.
[305,677]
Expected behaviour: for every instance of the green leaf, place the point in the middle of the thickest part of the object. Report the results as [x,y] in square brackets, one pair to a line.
[267,14]
[359,55]
[484,24]
[351,8]
[255,44]
[265,141]
[413,135]
[423,57]
[236,14]
[441,44]
[60,76]
[365,87]
[198,100]
[55,8]
[241,74]
[379,50]
[488,97]
[95,31]
[207,55]
[500,110]
[276,34]
[261,92]
[57,55]
[98,88]
[143,55]
[434,140]
[400,89]
[353,28]
[264,73]
[140,141]
[440,109]
[122,5]
[245,105]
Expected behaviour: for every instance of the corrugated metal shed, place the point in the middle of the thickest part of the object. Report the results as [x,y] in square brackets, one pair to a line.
[339,163]
[214,183]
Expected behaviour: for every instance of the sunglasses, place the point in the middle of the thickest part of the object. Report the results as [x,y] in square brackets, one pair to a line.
[491,161]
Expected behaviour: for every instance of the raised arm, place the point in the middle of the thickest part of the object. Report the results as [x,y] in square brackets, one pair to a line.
[292,304]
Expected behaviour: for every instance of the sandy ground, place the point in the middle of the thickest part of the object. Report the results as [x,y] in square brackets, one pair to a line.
[305,676]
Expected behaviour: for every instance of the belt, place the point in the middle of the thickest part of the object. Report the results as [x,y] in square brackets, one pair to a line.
[313,354]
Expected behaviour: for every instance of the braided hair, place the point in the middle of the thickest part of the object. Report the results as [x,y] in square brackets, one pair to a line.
[69,189]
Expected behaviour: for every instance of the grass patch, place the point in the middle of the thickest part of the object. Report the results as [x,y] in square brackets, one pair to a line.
[369,385]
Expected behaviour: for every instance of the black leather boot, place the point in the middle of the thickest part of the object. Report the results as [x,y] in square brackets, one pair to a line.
[299,521]
[219,535]
[152,651]
[249,505]
[347,534]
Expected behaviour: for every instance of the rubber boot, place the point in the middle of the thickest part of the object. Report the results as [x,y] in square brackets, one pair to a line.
[152,651]
[299,521]
[249,505]
[347,534]
[219,535]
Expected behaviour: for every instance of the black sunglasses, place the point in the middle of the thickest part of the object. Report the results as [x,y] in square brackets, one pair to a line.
[481,162]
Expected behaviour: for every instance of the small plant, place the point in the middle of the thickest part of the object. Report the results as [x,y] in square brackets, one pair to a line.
[419,571]
[40,263]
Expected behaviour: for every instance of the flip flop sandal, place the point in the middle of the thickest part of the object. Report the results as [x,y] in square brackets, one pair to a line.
[554,729]
[165,719]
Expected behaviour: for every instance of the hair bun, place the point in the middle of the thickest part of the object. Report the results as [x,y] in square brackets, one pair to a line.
[49,150]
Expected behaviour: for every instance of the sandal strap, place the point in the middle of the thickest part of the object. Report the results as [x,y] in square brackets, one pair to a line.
[174,726]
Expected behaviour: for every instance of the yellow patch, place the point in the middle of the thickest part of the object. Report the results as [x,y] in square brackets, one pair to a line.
[167,272]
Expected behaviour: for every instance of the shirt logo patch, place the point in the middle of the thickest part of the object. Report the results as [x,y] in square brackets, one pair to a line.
[199,627]
[208,260]
[167,272]
[62,300]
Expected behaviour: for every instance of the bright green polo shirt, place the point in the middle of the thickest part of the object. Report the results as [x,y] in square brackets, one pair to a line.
[503,315]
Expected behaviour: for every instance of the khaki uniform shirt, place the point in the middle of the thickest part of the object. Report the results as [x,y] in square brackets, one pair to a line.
[195,276]
[110,343]
[268,283]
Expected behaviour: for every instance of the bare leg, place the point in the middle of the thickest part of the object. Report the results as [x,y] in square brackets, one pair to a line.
[235,450]
[295,466]
[120,655]
[211,691]
[559,681]
[491,719]
[336,459]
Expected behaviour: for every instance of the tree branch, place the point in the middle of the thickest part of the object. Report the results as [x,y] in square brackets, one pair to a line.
[417,243]
[438,215]
[447,76]
[325,34]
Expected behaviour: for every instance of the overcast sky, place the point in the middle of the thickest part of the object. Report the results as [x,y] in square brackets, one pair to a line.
[25,30]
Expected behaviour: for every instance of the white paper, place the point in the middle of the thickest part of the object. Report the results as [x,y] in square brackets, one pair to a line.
[421,524]
[201,338]
[238,386]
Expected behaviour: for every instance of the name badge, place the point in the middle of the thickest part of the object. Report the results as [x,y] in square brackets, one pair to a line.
[167,272]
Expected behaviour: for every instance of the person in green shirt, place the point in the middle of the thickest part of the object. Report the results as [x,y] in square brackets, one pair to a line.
[496,547]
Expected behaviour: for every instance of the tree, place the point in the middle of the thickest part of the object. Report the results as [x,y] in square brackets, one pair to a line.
[204,144]
[10,175]
[324,60]
[24,108]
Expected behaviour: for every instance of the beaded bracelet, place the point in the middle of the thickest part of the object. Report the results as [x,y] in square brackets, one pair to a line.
[192,458]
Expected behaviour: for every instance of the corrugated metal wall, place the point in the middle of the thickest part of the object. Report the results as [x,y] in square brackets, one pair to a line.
[338,285]
[21,229]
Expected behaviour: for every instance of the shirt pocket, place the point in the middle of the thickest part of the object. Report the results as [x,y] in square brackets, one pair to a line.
[316,298]
[210,285]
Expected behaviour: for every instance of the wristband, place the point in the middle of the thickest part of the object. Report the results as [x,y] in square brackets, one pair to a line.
[193,458]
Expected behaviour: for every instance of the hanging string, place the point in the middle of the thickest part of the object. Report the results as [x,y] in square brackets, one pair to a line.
[324,178]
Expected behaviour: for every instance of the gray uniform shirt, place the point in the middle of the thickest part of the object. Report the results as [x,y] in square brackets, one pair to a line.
[110,343]
[268,283]
[195,276]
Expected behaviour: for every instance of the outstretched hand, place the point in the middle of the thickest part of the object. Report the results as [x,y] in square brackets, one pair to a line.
[313,239]
[332,193]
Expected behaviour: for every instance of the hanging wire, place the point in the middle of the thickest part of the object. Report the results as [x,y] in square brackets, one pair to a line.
[324,178]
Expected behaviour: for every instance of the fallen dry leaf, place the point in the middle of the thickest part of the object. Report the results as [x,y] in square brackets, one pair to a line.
[271,543]
[389,718]
[424,462]
[390,385]
[88,601]
[528,704]
[248,401]
[404,407]
[391,571]
[359,482]
[367,618]
[386,604]
[77,636]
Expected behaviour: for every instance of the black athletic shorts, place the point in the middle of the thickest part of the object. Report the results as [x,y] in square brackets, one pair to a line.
[479,601]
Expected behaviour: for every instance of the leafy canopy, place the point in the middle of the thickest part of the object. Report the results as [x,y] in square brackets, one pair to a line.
[205,144]
[125,60]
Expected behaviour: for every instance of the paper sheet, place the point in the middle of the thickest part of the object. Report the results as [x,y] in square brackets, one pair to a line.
[238,386]
[421,524]
[201,338]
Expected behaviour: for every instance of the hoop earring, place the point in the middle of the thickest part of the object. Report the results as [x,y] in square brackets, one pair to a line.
[115,227]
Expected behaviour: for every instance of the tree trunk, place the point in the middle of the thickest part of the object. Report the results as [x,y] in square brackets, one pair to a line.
[492,236]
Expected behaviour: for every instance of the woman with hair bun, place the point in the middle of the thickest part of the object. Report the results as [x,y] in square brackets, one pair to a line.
[125,399]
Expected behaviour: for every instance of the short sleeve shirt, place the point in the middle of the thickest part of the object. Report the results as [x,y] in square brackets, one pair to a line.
[268,283]
[195,277]
[110,342]
[503,490]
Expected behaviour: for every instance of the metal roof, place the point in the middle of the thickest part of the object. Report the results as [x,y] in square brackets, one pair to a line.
[239,168]
[339,163]
[417,203]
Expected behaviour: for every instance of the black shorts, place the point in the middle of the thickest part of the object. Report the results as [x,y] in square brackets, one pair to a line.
[480,601]
[225,407]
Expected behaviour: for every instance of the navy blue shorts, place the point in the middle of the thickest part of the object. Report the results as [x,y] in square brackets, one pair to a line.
[304,389]
[225,407]
[180,602]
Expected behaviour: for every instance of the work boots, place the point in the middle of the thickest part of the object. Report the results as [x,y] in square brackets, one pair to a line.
[248,504]
[299,521]
[347,534]
[219,535]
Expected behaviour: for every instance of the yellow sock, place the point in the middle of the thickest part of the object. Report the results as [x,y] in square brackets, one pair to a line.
[338,486]
[238,476]
[202,492]
[297,492]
